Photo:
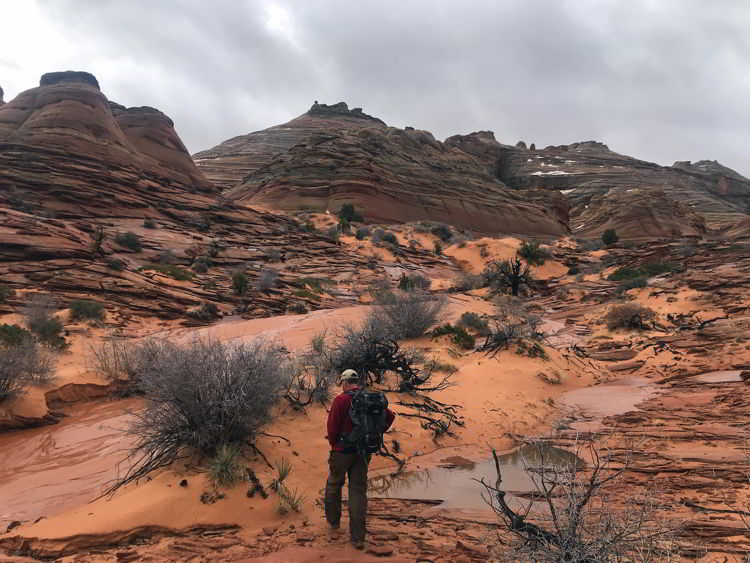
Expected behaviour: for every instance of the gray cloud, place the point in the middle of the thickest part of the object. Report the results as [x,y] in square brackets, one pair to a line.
[661,80]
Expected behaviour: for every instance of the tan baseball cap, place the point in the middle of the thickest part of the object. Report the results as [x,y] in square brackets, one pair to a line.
[348,375]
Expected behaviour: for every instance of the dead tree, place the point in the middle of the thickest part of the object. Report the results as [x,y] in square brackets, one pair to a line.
[504,275]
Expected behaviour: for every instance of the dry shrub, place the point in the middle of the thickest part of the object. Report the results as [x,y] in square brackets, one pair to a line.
[39,315]
[23,365]
[267,279]
[409,314]
[574,514]
[202,396]
[629,316]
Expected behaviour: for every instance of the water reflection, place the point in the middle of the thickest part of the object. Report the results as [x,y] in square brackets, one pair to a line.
[457,486]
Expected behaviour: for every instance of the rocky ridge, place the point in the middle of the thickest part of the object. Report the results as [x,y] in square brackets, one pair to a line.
[585,170]
[332,155]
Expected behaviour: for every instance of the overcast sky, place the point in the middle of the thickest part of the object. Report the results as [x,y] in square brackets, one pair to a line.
[662,80]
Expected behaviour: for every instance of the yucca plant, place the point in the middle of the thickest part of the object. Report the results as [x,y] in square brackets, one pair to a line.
[225,469]
[283,470]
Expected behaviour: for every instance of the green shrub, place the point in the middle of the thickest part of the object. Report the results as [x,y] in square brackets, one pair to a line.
[149,223]
[240,282]
[412,282]
[174,272]
[475,322]
[530,251]
[344,226]
[116,264]
[40,318]
[573,270]
[442,231]
[14,335]
[349,214]
[6,293]
[647,270]
[129,240]
[362,233]
[307,294]
[389,237]
[85,309]
[438,248]
[458,335]
[609,237]
[632,284]
[201,264]
[332,232]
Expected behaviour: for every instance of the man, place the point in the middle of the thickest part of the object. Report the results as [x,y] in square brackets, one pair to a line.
[344,460]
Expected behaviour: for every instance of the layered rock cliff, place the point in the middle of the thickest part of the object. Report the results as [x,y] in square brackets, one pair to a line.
[586,170]
[65,147]
[332,155]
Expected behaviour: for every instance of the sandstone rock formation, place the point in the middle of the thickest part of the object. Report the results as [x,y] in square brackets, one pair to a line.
[332,155]
[637,214]
[63,145]
[585,170]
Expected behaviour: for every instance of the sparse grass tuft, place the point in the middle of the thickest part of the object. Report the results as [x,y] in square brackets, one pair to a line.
[129,240]
[174,272]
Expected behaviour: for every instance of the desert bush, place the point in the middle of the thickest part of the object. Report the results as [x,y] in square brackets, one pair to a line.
[332,232]
[466,282]
[39,317]
[214,248]
[116,264]
[14,335]
[312,377]
[532,253]
[575,516]
[512,324]
[202,396]
[530,349]
[273,255]
[409,315]
[389,237]
[629,316]
[475,322]
[98,236]
[267,279]
[297,308]
[201,264]
[362,233]
[647,270]
[149,223]
[6,293]
[224,468]
[129,240]
[413,281]
[458,335]
[22,365]
[120,360]
[591,245]
[438,248]
[240,282]
[348,213]
[609,237]
[344,226]
[206,312]
[84,309]
[166,257]
[633,283]
[442,231]
[573,270]
[174,272]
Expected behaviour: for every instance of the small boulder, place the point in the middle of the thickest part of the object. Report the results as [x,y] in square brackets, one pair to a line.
[380,550]
[269,530]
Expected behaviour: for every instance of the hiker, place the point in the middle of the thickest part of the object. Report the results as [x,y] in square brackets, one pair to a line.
[356,423]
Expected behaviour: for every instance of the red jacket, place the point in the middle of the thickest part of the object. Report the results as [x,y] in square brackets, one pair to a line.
[340,423]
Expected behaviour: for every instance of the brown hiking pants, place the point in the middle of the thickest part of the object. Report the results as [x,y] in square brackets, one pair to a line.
[355,466]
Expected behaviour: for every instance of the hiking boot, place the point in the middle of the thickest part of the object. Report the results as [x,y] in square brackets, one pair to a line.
[360,545]
[334,525]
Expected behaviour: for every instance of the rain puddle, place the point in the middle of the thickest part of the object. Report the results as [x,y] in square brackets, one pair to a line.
[610,399]
[455,485]
[44,470]
[719,377]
